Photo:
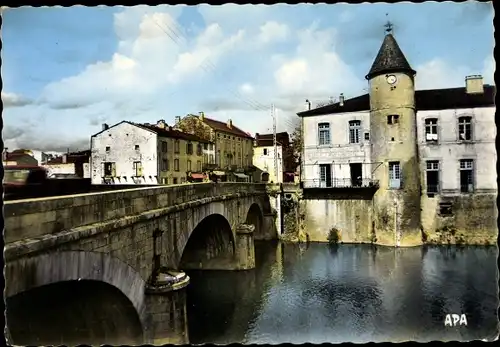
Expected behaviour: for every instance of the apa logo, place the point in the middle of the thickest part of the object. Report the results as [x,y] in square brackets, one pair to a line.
[453,319]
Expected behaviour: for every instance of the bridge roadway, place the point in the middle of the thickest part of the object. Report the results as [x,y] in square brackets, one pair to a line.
[136,242]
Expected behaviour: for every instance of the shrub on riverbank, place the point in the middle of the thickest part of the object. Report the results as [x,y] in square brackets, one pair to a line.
[334,236]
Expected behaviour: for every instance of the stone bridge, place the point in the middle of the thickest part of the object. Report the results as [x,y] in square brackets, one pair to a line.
[122,253]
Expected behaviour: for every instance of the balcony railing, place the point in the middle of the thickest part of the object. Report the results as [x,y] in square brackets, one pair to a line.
[342,183]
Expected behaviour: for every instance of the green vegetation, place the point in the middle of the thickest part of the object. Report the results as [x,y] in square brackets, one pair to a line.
[334,236]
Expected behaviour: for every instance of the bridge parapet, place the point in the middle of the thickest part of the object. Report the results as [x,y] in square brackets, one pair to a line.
[31,218]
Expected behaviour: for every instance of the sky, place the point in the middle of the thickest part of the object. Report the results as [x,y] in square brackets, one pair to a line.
[66,71]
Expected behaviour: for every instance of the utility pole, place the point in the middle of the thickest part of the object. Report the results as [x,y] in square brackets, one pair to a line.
[275,143]
[278,197]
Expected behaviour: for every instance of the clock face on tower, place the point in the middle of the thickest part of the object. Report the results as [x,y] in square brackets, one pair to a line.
[391,79]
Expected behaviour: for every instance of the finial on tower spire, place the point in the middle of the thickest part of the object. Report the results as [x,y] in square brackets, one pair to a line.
[388,26]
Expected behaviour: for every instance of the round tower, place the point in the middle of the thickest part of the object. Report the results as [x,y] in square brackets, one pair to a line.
[395,162]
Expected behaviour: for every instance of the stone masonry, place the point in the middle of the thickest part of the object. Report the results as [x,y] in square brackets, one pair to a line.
[113,236]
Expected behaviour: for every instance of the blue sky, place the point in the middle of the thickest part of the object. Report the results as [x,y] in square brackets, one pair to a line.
[68,70]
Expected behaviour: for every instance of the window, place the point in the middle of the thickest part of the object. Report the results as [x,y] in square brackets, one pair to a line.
[164,146]
[176,164]
[217,158]
[136,147]
[211,159]
[393,119]
[177,147]
[324,133]
[432,175]
[189,165]
[175,180]
[394,175]
[431,133]
[265,151]
[325,175]
[205,146]
[189,148]
[164,165]
[137,169]
[466,176]
[199,149]
[354,130]
[198,165]
[465,128]
[108,149]
[367,136]
[109,169]
[164,180]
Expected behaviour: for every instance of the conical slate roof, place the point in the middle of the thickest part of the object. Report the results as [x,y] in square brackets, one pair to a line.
[390,58]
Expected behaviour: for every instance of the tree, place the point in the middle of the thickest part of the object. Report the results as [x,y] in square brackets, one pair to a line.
[295,149]
[297,142]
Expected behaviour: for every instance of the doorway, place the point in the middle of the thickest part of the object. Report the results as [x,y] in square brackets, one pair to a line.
[356,174]
[325,172]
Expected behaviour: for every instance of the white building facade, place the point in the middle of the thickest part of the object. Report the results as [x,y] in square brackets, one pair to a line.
[457,150]
[264,159]
[124,154]
[336,150]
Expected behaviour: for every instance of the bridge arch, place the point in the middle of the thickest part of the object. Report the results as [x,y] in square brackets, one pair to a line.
[255,217]
[211,240]
[74,270]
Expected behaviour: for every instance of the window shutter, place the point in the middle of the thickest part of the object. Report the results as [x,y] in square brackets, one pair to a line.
[113,170]
[139,169]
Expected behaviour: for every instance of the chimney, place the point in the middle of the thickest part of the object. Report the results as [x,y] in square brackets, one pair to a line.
[64,158]
[177,119]
[161,124]
[105,127]
[229,123]
[308,105]
[341,99]
[202,115]
[474,84]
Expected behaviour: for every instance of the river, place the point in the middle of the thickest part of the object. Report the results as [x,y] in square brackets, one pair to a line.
[347,293]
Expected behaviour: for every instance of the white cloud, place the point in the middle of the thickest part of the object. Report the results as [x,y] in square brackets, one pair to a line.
[437,73]
[14,100]
[273,31]
[346,16]
[246,88]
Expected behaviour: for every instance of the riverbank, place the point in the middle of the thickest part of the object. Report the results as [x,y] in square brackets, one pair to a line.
[439,238]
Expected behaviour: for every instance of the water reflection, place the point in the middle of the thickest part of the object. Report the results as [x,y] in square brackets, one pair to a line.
[347,293]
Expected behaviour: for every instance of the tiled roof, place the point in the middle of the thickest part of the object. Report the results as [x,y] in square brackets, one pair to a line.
[222,126]
[71,158]
[267,143]
[265,139]
[171,133]
[390,58]
[14,155]
[425,100]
